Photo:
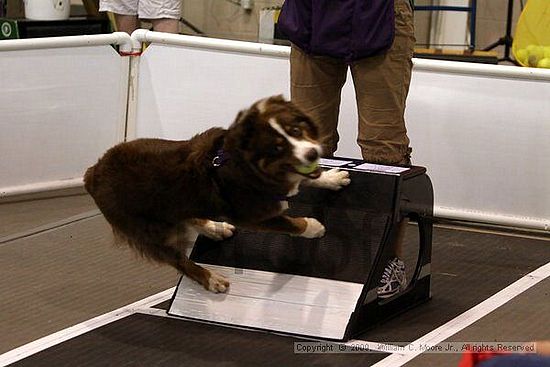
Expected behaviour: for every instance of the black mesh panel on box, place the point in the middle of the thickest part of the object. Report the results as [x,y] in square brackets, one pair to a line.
[344,253]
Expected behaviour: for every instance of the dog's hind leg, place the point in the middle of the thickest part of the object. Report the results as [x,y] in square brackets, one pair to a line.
[209,279]
[214,230]
[162,243]
[167,251]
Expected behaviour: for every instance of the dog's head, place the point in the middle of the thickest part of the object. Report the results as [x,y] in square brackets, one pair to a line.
[277,138]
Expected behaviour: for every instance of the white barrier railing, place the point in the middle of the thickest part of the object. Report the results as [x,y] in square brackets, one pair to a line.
[468,123]
[122,39]
[20,190]
[142,35]
[63,103]
[215,44]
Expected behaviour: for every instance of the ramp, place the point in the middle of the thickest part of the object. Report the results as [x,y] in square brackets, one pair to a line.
[280,302]
[326,287]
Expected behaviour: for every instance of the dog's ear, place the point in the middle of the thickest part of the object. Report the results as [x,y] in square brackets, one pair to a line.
[247,116]
[263,104]
[240,117]
[278,99]
[243,127]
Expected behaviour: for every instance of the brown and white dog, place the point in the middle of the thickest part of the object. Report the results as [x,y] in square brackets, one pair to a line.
[148,189]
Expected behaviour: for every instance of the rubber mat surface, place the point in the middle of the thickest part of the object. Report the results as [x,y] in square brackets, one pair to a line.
[342,254]
[144,340]
[523,319]
[467,268]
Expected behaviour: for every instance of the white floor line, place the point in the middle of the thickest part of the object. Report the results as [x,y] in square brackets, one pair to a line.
[38,345]
[363,344]
[467,318]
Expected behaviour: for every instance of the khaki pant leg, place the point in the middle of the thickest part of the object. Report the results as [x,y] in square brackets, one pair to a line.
[381,86]
[315,87]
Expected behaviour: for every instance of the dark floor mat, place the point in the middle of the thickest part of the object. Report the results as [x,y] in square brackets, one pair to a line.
[467,268]
[144,340]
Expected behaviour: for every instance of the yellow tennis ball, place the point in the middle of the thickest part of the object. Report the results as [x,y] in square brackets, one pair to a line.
[522,56]
[536,51]
[306,169]
[532,48]
[544,63]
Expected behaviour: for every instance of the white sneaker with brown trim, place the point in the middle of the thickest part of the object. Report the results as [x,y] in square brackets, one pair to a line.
[393,279]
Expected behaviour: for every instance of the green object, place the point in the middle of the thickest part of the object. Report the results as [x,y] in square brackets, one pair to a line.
[8,29]
[307,168]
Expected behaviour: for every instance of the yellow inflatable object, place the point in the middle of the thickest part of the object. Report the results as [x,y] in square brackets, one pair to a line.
[531,45]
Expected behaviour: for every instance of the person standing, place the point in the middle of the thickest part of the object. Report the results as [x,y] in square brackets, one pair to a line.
[163,14]
[375,40]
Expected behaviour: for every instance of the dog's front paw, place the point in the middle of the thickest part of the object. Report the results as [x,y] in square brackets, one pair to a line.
[334,179]
[314,229]
[216,230]
[217,283]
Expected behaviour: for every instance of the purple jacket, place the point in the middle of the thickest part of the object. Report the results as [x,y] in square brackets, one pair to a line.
[344,29]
